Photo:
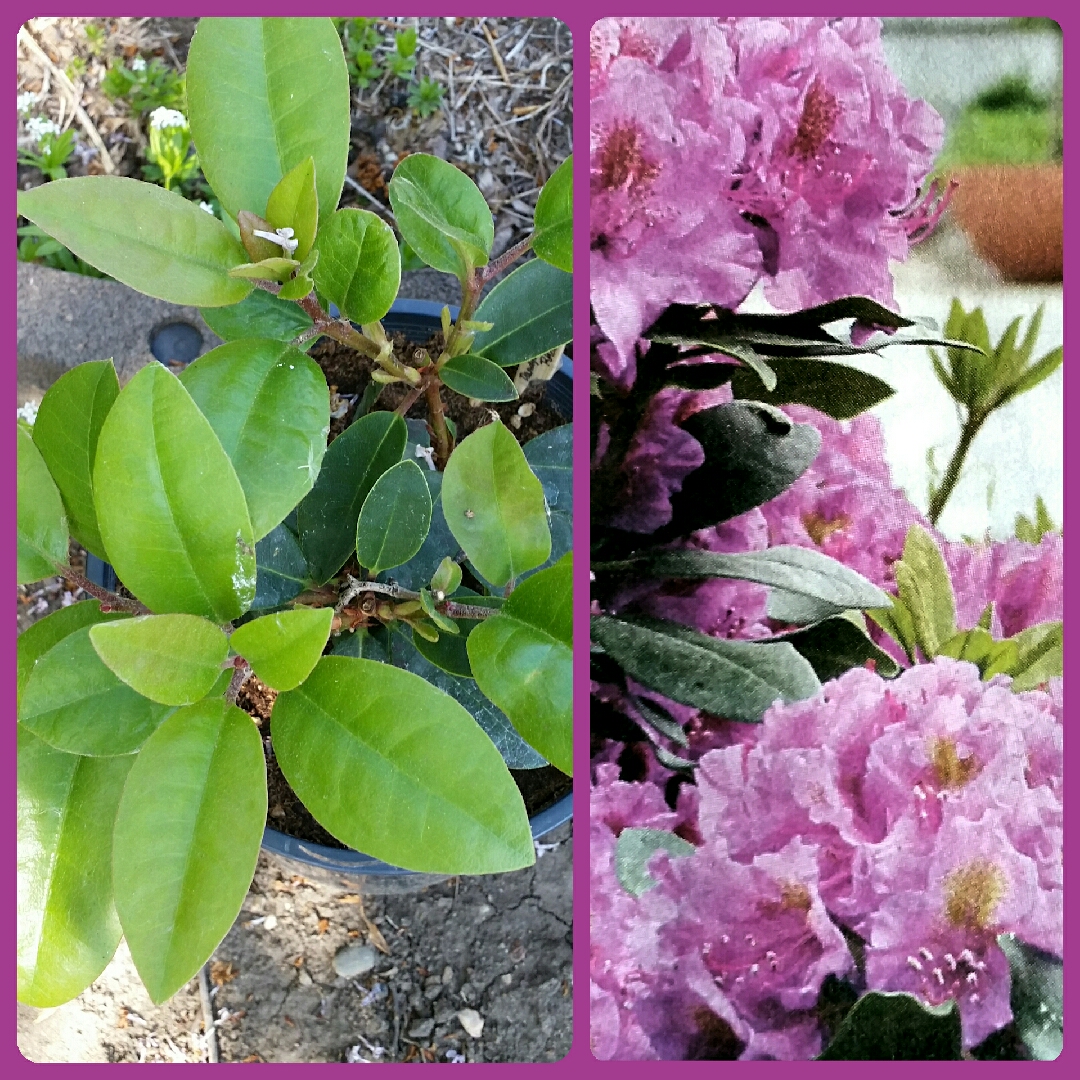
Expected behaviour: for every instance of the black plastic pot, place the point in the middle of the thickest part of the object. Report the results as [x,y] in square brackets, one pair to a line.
[418,320]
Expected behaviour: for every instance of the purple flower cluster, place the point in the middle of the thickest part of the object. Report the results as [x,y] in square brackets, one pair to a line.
[922,814]
[727,151]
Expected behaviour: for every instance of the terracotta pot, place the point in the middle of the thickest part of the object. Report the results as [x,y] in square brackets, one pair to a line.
[1013,216]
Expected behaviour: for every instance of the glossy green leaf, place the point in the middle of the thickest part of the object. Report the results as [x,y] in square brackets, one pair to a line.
[1036,993]
[438,543]
[896,1027]
[272,269]
[441,214]
[359,267]
[260,315]
[394,767]
[171,659]
[837,390]
[68,929]
[187,839]
[634,849]
[479,378]
[735,679]
[922,579]
[269,405]
[447,578]
[153,240]
[494,505]
[283,648]
[75,703]
[394,519]
[449,653]
[263,96]
[1039,655]
[522,659]
[294,204]
[513,749]
[42,535]
[553,240]
[551,457]
[532,310]
[37,639]
[170,507]
[282,570]
[296,288]
[354,461]
[66,432]
[837,644]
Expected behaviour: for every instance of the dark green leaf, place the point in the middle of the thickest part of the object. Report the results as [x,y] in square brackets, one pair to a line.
[479,378]
[703,376]
[838,644]
[896,1027]
[359,267]
[42,535]
[1036,997]
[550,456]
[734,679]
[532,310]
[553,240]
[260,315]
[282,569]
[66,432]
[394,519]
[354,461]
[634,849]
[834,389]
[438,543]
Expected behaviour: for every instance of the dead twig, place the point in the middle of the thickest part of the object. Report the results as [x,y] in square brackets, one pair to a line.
[496,54]
[208,1017]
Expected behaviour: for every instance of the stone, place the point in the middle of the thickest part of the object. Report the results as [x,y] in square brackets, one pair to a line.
[304,978]
[422,1029]
[472,1022]
[354,960]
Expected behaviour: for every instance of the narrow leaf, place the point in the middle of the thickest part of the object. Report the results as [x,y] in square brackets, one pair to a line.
[925,590]
[837,390]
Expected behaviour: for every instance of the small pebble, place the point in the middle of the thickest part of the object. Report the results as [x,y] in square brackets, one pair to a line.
[527,409]
[423,1028]
[506,979]
[354,960]
[447,975]
[304,978]
[271,922]
[472,1022]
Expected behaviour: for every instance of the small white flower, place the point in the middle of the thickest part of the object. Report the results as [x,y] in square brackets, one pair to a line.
[28,412]
[204,205]
[39,127]
[428,454]
[167,118]
[138,64]
[26,102]
[284,237]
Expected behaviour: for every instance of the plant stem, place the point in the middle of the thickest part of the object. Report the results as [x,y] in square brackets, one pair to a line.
[397,592]
[110,600]
[440,433]
[240,676]
[509,256]
[952,473]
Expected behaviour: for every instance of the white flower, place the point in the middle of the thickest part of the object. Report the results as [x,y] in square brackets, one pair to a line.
[26,101]
[284,237]
[28,412]
[39,127]
[167,118]
[204,205]
[138,64]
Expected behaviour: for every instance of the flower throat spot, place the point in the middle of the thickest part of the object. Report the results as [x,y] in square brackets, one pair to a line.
[972,894]
[951,770]
[820,111]
[622,162]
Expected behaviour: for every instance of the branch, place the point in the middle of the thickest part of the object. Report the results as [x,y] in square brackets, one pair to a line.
[495,268]
[110,601]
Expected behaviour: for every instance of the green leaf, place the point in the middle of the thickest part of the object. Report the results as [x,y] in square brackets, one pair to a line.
[551,457]
[1039,655]
[68,929]
[828,584]
[171,659]
[282,570]
[328,516]
[151,239]
[441,214]
[294,204]
[264,95]
[925,590]
[1040,370]
[66,432]
[269,406]
[283,648]
[36,640]
[394,519]
[514,750]
[261,315]
[42,527]
[170,508]
[523,660]
[837,390]
[494,505]
[978,647]
[735,679]
[532,310]
[477,377]
[273,269]
[1035,994]
[187,839]
[449,653]
[447,578]
[553,238]
[359,267]
[704,376]
[896,621]
[394,767]
[634,849]
[896,1027]
[75,703]
[757,450]
[838,644]
[439,542]
[296,288]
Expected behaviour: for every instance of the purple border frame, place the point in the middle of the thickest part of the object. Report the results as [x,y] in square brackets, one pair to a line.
[578,17]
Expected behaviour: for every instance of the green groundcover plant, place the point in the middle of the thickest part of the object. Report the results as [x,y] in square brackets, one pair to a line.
[244,543]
